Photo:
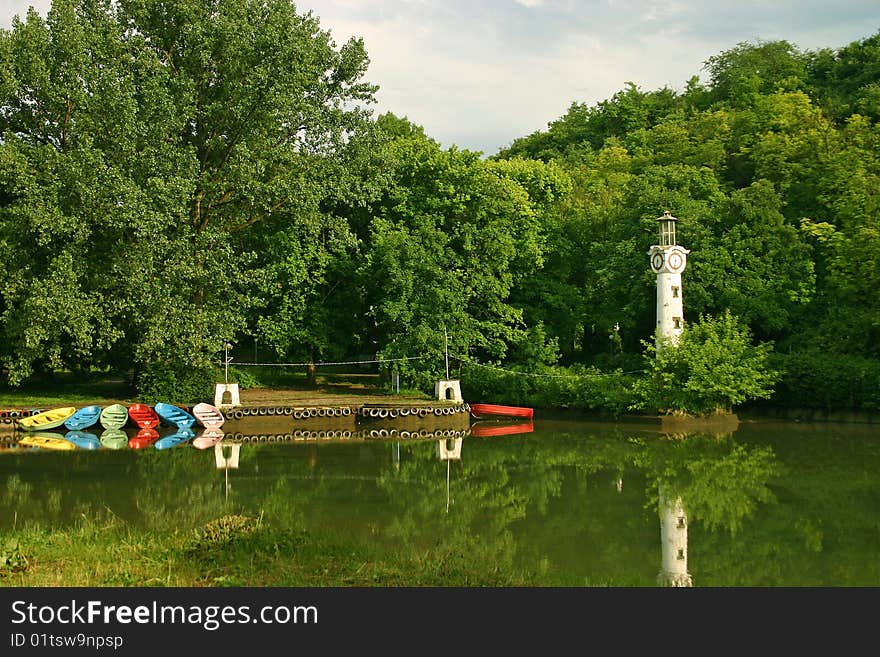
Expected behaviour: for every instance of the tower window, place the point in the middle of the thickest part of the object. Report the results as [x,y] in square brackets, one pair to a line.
[680,554]
[675,291]
[676,322]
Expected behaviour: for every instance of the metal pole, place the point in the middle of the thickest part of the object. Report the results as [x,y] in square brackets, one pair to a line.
[447,485]
[446,350]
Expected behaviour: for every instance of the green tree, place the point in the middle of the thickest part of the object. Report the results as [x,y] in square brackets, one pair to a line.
[739,74]
[165,145]
[450,238]
[845,80]
[713,368]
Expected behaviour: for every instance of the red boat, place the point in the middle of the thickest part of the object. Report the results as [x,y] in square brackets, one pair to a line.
[143,416]
[501,429]
[480,411]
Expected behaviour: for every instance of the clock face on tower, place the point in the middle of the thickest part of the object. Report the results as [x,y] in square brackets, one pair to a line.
[657,261]
[675,261]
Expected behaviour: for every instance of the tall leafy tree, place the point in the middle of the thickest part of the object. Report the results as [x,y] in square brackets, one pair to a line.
[166,143]
[450,238]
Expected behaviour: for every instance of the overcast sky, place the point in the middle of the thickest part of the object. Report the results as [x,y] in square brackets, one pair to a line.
[480,73]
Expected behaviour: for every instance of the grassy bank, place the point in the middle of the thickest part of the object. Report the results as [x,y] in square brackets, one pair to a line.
[262,388]
[232,550]
[65,391]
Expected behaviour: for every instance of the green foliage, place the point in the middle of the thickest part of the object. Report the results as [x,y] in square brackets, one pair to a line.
[722,492]
[12,558]
[245,377]
[449,240]
[713,368]
[739,74]
[170,183]
[575,387]
[222,532]
[151,153]
[172,384]
[827,381]
[845,80]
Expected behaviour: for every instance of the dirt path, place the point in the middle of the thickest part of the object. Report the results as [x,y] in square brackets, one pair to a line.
[327,395]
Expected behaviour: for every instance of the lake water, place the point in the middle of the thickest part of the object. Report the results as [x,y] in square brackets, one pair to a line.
[581,503]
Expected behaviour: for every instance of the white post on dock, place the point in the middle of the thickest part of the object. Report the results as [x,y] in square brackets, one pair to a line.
[221,390]
[447,389]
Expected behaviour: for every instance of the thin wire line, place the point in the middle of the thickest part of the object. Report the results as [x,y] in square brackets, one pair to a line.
[551,376]
[345,362]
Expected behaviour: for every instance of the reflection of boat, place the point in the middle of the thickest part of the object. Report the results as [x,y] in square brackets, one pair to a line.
[143,438]
[114,439]
[50,419]
[83,418]
[182,435]
[114,416]
[174,415]
[46,440]
[83,439]
[483,430]
[143,416]
[209,416]
[485,410]
[208,438]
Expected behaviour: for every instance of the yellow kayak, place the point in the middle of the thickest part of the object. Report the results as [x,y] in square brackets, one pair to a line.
[50,419]
[47,440]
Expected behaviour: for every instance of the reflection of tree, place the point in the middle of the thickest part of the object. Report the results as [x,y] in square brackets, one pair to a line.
[177,487]
[720,481]
[546,501]
[477,528]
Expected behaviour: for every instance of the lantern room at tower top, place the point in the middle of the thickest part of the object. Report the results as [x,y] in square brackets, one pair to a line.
[667,229]
[668,260]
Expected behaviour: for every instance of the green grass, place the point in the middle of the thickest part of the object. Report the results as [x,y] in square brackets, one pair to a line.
[231,550]
[64,390]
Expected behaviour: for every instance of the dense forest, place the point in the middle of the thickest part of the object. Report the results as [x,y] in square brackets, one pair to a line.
[182,174]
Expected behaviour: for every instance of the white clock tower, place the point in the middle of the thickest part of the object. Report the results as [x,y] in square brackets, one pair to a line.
[668,260]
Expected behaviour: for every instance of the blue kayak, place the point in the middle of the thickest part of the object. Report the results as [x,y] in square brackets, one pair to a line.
[174,415]
[83,439]
[181,436]
[83,418]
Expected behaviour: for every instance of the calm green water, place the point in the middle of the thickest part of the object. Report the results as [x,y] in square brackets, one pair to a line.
[771,504]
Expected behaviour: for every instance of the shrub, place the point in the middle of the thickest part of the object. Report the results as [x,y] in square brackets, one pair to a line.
[827,381]
[714,367]
[12,558]
[576,387]
[176,384]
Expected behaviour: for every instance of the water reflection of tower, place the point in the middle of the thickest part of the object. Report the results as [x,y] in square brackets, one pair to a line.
[673,542]
[449,450]
[226,459]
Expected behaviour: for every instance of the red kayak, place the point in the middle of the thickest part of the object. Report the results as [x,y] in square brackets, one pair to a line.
[494,410]
[143,416]
[501,429]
